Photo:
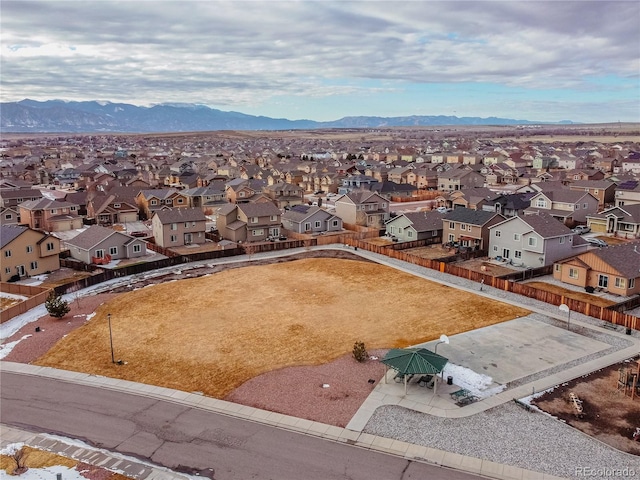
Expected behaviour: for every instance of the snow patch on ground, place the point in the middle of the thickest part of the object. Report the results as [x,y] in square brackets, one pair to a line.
[477,383]
[12,296]
[7,347]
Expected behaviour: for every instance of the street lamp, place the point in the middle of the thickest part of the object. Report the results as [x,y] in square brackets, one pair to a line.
[113,358]
[443,339]
[565,308]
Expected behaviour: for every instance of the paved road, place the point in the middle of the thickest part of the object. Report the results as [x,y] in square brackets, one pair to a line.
[174,436]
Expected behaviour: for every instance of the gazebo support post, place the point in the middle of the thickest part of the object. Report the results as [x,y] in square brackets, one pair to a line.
[405,384]
[435,385]
[386,371]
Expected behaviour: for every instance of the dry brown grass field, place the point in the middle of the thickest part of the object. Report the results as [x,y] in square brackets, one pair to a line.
[213,333]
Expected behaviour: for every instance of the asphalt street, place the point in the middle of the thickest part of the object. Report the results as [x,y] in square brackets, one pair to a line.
[192,440]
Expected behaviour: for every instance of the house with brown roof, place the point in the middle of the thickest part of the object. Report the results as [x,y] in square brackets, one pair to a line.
[569,206]
[458,179]
[26,252]
[284,194]
[614,269]
[107,210]
[310,219]
[177,227]
[248,222]
[101,245]
[150,201]
[603,190]
[362,207]
[13,198]
[50,215]
[469,228]
[622,221]
[533,241]
[412,226]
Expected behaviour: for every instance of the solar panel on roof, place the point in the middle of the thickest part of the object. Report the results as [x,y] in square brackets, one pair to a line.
[628,184]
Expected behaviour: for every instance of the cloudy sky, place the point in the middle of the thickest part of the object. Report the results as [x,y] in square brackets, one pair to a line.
[326,59]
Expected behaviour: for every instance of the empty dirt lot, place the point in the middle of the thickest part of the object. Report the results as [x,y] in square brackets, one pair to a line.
[213,333]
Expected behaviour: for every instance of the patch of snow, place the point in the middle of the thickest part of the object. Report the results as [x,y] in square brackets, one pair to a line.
[11,448]
[477,383]
[91,315]
[7,347]
[12,296]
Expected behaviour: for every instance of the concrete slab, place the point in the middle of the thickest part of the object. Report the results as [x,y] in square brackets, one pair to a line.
[515,349]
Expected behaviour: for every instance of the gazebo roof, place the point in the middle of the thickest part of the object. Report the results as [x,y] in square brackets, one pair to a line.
[413,361]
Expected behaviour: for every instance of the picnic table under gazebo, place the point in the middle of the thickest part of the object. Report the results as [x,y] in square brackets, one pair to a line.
[414,361]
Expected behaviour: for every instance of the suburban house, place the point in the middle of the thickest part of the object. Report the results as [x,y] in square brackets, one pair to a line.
[362,207]
[458,179]
[248,222]
[178,226]
[27,252]
[240,190]
[100,245]
[50,215]
[569,206]
[509,205]
[13,198]
[603,190]
[9,215]
[412,226]
[151,201]
[473,198]
[108,210]
[284,194]
[613,269]
[390,189]
[533,241]
[621,221]
[310,219]
[470,228]
[356,182]
[628,193]
[207,198]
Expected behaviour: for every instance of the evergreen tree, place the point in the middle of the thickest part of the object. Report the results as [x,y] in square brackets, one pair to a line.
[56,306]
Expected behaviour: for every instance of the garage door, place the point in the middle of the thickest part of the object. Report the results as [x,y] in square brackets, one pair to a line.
[598,227]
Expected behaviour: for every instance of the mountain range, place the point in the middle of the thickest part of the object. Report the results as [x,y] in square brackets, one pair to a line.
[93,116]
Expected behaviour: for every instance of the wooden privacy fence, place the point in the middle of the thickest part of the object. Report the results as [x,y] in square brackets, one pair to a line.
[37,296]
[603,313]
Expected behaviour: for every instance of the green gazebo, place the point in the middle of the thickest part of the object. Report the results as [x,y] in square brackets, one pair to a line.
[414,361]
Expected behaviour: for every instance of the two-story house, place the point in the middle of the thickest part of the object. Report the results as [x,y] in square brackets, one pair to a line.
[627,193]
[469,228]
[150,201]
[248,222]
[533,241]
[207,198]
[603,190]
[310,219]
[284,194]
[101,245]
[27,252]
[176,227]
[50,215]
[362,207]
[458,179]
[108,210]
[412,226]
[568,206]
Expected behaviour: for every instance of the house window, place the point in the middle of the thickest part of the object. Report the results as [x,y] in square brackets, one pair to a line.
[174,226]
[241,194]
[73,209]
[153,202]
[335,223]
[7,253]
[632,282]
[318,224]
[517,254]
[585,206]
[620,282]
[561,240]
[186,224]
[113,250]
[603,281]
[498,233]
[384,205]
[137,248]
[179,200]
[174,238]
[558,267]
[116,205]
[29,248]
[8,216]
[464,227]
[99,253]
[307,226]
[541,203]
[495,248]
[532,241]
[452,225]
[257,233]
[54,211]
[573,273]
[516,237]
[273,218]
[410,234]
[254,219]
[33,266]
[7,270]
[50,246]
[452,237]
[434,233]
[168,201]
[576,206]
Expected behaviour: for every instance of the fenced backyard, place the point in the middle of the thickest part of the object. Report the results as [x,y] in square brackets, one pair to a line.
[36,296]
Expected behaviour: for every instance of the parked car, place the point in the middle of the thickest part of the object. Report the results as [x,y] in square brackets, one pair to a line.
[596,242]
[580,229]
[444,209]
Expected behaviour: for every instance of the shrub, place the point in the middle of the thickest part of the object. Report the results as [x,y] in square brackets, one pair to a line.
[56,306]
[359,352]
